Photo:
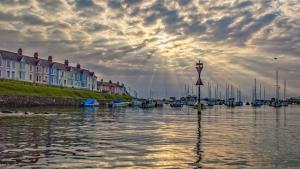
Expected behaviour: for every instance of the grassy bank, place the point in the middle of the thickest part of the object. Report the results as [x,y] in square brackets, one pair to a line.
[19,88]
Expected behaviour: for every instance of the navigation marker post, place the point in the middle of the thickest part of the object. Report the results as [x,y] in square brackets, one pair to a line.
[199,68]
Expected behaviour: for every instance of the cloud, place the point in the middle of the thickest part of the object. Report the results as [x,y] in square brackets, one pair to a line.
[158,41]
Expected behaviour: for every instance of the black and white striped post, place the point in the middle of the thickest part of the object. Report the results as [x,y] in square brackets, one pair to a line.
[199,68]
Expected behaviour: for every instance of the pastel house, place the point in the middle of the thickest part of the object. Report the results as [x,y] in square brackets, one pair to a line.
[45,71]
[112,88]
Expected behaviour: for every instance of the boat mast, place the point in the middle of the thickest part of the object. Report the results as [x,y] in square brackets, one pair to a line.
[260,91]
[227,91]
[192,90]
[277,87]
[254,89]
[284,91]
[264,93]
[240,95]
[209,91]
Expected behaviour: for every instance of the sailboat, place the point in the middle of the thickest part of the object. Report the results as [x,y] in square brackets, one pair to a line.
[276,102]
[255,102]
[239,97]
[209,100]
[284,102]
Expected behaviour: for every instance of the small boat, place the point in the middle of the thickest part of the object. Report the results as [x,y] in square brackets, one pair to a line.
[136,102]
[117,103]
[256,103]
[203,106]
[210,103]
[191,100]
[159,103]
[239,103]
[191,103]
[90,103]
[285,103]
[176,103]
[230,102]
[148,103]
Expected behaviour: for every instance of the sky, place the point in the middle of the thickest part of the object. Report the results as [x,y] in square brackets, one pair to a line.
[154,44]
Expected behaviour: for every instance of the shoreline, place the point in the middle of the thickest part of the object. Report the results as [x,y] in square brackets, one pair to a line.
[38,101]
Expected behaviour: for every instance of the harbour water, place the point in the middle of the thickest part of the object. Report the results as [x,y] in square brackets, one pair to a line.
[153,138]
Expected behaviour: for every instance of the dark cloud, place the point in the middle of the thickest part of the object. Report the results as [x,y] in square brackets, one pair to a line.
[95,27]
[144,38]
[6,16]
[184,2]
[33,19]
[51,6]
[88,8]
[244,4]
[84,3]
[132,2]
[115,4]
[15,2]
[243,35]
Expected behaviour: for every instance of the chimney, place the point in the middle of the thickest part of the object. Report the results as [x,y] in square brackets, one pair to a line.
[20,51]
[67,62]
[50,58]
[36,55]
[78,66]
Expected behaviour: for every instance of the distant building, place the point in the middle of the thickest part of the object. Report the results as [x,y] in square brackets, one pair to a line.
[36,70]
[112,88]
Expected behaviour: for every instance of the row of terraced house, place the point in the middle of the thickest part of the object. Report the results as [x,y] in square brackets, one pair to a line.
[45,71]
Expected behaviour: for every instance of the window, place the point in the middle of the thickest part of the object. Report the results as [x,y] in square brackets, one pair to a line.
[22,75]
[13,64]
[22,65]
[0,73]
[30,77]
[0,62]
[8,73]
[13,74]
[8,63]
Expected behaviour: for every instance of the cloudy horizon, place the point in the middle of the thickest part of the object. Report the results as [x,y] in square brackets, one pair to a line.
[154,44]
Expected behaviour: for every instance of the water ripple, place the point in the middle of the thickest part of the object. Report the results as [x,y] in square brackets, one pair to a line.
[156,138]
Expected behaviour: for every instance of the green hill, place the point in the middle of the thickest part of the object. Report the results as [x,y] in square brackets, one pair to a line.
[19,88]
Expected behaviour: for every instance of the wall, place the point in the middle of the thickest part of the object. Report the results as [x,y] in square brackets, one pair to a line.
[11,100]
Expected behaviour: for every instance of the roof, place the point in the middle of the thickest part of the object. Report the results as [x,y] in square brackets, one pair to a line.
[31,60]
[59,66]
[44,62]
[110,84]
[10,55]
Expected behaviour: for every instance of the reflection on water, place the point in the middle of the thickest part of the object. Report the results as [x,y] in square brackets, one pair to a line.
[153,138]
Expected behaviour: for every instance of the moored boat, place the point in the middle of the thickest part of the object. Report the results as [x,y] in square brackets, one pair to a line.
[176,103]
[118,103]
[159,103]
[136,102]
[147,103]
[90,103]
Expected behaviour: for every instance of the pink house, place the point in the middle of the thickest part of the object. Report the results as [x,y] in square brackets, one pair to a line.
[110,87]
